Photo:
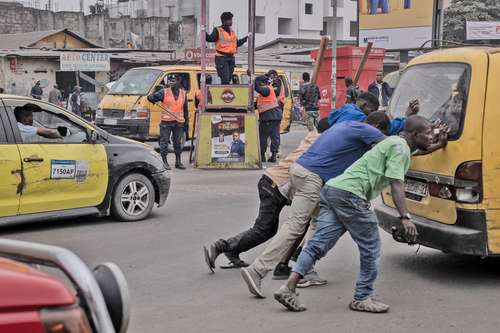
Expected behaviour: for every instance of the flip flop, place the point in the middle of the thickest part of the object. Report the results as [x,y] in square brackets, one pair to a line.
[207,259]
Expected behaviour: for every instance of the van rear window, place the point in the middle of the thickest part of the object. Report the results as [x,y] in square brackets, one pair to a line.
[136,82]
[441,89]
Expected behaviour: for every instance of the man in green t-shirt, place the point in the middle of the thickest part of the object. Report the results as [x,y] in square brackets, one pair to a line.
[345,206]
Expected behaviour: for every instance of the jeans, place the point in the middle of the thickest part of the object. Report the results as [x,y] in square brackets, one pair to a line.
[407,4]
[267,221]
[374,6]
[166,129]
[225,68]
[269,129]
[305,186]
[342,211]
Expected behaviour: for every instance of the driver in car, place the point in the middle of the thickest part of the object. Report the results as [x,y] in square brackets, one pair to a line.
[24,118]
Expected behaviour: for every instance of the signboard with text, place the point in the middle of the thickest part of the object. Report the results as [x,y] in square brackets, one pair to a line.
[483,30]
[396,24]
[194,55]
[85,62]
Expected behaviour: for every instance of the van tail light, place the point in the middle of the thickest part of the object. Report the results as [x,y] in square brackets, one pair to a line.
[65,320]
[469,182]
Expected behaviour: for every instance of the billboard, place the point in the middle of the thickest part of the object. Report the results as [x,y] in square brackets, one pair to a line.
[396,24]
[483,30]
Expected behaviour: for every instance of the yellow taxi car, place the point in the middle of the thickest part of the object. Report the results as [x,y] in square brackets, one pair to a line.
[56,165]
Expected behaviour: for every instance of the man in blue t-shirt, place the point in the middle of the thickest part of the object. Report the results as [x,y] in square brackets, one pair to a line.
[343,144]
[365,103]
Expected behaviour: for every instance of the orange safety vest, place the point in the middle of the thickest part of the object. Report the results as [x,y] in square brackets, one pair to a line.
[226,43]
[282,97]
[267,103]
[174,106]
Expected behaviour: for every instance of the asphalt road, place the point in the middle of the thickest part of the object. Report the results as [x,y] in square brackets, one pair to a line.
[172,290]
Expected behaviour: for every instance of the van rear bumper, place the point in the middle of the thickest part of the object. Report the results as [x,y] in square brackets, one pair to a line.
[137,129]
[467,236]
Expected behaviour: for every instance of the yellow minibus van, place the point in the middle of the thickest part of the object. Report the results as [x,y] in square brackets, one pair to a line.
[453,194]
[125,110]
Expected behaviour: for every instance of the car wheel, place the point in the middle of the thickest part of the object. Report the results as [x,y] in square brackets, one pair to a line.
[133,198]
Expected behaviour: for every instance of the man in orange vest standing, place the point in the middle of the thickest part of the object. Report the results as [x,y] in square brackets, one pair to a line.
[270,112]
[174,118]
[226,45]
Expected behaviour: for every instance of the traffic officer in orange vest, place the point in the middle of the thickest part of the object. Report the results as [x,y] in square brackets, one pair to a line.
[279,87]
[174,118]
[226,44]
[270,114]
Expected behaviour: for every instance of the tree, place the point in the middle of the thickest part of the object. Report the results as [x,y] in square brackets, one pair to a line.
[461,11]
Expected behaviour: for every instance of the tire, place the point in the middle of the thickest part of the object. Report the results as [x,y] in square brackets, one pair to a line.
[133,198]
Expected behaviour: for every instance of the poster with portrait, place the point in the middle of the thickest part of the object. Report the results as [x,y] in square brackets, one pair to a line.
[228,138]
[396,24]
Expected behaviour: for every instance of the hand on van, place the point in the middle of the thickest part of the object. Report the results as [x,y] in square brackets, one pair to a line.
[413,107]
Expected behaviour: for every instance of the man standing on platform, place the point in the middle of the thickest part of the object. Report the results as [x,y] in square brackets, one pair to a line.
[226,45]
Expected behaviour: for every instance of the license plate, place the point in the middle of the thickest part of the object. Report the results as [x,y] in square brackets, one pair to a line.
[62,169]
[110,121]
[417,188]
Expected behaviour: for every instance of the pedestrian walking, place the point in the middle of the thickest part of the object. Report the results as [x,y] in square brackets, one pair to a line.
[55,96]
[381,89]
[74,101]
[309,99]
[345,207]
[270,114]
[37,91]
[174,119]
[343,144]
[352,91]
[274,195]
[226,45]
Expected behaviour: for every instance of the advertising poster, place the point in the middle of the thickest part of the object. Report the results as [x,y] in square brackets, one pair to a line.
[483,30]
[228,138]
[396,24]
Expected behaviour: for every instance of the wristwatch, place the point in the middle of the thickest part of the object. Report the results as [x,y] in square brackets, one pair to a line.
[407,216]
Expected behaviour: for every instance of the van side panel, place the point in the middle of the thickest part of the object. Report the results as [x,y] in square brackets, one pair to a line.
[491,155]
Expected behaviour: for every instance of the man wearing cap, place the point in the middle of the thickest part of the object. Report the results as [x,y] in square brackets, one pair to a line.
[174,118]
[226,44]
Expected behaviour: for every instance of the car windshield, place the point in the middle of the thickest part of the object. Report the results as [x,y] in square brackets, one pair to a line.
[135,82]
[441,90]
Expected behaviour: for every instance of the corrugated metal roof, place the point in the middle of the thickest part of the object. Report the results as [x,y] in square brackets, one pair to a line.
[28,39]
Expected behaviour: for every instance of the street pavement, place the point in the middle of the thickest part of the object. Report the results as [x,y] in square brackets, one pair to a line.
[173,291]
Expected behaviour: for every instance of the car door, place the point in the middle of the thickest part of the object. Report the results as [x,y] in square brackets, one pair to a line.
[63,173]
[10,169]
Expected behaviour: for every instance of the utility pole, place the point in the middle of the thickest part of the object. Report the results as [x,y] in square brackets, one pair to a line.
[82,6]
[333,37]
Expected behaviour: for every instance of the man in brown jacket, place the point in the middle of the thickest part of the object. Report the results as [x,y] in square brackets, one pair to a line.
[274,194]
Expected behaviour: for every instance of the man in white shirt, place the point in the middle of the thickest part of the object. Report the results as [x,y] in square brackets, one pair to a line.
[24,117]
[381,90]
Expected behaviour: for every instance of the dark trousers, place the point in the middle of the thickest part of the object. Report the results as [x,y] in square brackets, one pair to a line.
[166,129]
[267,222]
[225,68]
[269,129]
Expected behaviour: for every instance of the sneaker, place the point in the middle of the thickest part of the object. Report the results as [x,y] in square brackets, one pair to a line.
[272,159]
[311,279]
[234,261]
[281,272]
[212,252]
[368,305]
[289,299]
[253,281]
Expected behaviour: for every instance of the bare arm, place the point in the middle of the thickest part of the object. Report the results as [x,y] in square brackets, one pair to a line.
[398,196]
[48,133]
